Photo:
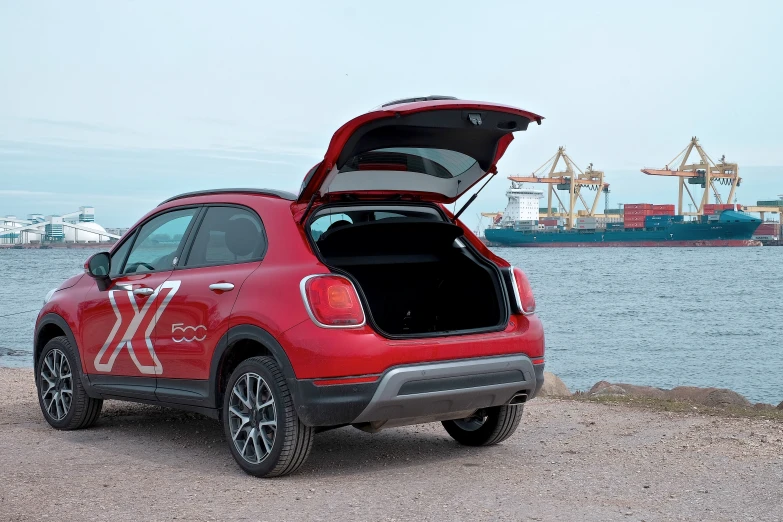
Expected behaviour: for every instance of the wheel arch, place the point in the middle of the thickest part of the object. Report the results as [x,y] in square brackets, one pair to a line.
[53,325]
[239,343]
[50,326]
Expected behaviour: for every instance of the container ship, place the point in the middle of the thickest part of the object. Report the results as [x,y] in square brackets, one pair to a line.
[524,223]
[643,225]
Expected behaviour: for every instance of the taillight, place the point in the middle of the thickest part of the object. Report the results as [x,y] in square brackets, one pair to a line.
[332,301]
[525,301]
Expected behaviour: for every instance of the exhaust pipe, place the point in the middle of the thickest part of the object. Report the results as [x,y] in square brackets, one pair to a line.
[518,398]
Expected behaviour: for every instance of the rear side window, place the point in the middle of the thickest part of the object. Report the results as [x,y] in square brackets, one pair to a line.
[227,235]
[328,222]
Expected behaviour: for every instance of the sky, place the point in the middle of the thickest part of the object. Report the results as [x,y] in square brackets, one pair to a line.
[120,105]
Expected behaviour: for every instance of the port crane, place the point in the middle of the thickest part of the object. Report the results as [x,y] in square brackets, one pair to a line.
[764,209]
[572,179]
[704,172]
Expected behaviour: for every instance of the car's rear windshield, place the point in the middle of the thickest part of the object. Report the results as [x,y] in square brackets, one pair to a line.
[440,163]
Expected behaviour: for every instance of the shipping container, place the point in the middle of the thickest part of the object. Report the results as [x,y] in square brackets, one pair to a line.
[638,206]
[614,212]
[770,203]
[768,228]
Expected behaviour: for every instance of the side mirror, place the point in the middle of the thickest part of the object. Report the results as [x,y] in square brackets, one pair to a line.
[98,265]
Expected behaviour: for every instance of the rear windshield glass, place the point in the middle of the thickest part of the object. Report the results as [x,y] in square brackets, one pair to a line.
[440,163]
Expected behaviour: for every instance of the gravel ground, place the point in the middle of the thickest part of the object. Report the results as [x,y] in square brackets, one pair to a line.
[570,460]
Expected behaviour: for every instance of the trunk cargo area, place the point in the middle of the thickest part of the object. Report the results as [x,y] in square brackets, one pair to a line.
[417,276]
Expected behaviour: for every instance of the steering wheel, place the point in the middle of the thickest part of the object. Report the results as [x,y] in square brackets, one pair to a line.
[135,266]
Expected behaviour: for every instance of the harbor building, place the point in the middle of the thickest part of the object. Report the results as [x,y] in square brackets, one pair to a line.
[75,227]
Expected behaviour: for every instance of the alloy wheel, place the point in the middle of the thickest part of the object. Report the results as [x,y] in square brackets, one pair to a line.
[473,422]
[252,417]
[56,384]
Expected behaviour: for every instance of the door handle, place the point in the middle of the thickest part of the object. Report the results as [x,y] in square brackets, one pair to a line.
[221,287]
[144,292]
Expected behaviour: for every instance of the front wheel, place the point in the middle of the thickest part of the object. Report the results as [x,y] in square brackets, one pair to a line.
[263,431]
[487,426]
[63,399]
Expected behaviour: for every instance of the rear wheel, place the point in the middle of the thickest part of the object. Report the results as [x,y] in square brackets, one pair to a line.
[63,399]
[263,431]
[487,426]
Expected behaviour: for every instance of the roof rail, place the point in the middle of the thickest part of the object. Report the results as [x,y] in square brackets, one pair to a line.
[282,194]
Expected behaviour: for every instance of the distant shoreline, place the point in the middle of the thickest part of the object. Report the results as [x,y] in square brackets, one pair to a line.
[49,246]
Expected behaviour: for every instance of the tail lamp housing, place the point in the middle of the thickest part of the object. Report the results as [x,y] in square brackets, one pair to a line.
[332,301]
[525,302]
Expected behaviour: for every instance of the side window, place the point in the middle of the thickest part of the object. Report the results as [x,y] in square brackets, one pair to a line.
[158,242]
[227,235]
[119,255]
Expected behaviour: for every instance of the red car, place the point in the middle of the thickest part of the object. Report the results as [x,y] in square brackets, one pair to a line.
[362,301]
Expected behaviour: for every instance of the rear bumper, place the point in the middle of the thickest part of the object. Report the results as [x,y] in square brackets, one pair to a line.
[421,392]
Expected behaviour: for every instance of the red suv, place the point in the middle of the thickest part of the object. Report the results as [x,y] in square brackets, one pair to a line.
[360,301]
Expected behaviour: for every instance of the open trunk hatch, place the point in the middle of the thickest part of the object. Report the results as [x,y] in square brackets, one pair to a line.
[418,275]
[433,149]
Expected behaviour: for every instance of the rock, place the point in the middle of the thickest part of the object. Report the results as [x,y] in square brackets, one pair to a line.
[763,406]
[598,386]
[642,391]
[608,388]
[554,386]
[611,390]
[713,397]
[723,397]
[780,406]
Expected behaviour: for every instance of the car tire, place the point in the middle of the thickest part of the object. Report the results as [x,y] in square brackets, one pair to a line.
[486,427]
[260,447]
[64,401]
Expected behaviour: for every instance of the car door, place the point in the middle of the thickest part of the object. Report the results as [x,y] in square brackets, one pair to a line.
[227,245]
[118,318]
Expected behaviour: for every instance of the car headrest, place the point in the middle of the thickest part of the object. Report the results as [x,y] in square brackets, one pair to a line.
[242,237]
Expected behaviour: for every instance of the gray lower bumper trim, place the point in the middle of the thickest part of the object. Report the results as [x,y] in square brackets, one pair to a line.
[452,386]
